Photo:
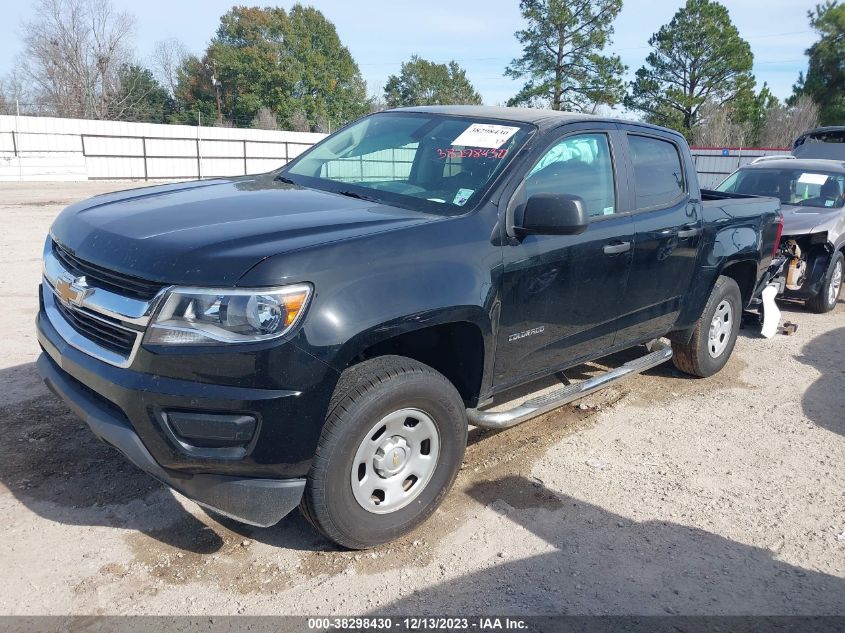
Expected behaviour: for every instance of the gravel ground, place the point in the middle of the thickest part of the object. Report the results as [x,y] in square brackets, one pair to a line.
[663,495]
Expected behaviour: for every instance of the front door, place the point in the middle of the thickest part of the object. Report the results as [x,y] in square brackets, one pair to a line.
[561,293]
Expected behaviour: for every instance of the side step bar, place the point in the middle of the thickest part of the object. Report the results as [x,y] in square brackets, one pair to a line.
[543,404]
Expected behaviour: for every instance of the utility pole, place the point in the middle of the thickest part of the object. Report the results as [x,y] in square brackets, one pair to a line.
[18,134]
[199,154]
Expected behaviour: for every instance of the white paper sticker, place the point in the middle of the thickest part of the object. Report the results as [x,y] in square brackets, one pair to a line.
[485,135]
[607,211]
[812,179]
[462,196]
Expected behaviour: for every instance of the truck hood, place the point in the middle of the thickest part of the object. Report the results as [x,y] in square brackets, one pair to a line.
[212,232]
[798,220]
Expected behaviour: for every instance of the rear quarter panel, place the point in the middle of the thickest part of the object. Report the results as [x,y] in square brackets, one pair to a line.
[735,230]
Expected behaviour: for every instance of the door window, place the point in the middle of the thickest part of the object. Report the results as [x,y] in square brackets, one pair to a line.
[579,165]
[658,174]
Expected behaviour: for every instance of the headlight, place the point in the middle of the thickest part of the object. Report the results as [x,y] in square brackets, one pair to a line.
[200,316]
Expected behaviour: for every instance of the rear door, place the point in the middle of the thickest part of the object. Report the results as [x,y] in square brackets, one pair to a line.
[561,294]
[667,220]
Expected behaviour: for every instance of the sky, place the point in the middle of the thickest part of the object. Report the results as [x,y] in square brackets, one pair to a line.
[478,34]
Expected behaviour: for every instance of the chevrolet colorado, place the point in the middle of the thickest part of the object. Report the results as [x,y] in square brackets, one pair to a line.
[322,336]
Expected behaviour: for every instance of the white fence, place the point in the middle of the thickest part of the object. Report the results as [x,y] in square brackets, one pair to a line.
[44,148]
[714,164]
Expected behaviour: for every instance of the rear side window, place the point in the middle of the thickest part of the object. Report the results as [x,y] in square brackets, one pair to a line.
[658,174]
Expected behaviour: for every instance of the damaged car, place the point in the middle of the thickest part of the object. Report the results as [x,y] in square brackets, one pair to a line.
[821,142]
[812,195]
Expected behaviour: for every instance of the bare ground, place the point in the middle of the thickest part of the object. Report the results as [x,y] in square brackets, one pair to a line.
[663,495]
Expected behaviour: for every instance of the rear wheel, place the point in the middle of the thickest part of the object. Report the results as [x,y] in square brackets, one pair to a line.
[390,450]
[826,300]
[715,332]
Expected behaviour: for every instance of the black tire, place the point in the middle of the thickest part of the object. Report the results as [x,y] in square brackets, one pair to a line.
[823,302]
[365,394]
[694,357]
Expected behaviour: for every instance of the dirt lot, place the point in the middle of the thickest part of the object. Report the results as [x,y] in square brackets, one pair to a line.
[664,495]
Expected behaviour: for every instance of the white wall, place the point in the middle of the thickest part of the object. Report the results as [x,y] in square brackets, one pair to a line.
[46,148]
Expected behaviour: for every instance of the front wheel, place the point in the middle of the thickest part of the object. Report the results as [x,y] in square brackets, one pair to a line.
[391,447]
[827,297]
[714,336]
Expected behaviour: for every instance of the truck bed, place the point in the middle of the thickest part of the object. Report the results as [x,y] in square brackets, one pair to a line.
[736,205]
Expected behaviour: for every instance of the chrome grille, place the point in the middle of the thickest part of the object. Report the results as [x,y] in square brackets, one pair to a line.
[110,280]
[109,335]
[105,314]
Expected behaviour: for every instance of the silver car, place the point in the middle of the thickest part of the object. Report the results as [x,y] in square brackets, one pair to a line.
[812,195]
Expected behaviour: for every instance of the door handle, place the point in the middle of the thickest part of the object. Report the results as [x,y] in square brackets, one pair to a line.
[616,249]
[688,232]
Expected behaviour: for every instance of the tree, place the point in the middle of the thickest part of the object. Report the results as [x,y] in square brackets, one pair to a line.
[697,58]
[9,93]
[562,60]
[168,57]
[73,55]
[197,97]
[825,78]
[269,58]
[751,111]
[785,123]
[717,128]
[422,82]
[140,97]
[265,119]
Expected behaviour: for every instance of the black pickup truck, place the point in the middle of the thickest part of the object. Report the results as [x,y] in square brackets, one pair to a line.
[322,336]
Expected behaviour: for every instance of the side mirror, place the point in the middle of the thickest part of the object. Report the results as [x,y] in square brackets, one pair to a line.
[554,214]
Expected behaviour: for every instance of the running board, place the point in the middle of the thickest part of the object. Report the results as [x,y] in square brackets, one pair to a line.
[543,404]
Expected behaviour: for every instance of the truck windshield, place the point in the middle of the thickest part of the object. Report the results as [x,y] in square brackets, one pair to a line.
[808,188]
[428,162]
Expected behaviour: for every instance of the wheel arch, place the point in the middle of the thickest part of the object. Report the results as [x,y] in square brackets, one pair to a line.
[456,349]
[744,273]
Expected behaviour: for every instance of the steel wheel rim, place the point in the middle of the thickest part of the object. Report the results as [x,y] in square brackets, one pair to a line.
[835,284]
[395,461]
[720,329]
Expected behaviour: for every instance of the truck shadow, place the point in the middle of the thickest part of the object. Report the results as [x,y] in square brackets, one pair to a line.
[822,401]
[52,463]
[604,563]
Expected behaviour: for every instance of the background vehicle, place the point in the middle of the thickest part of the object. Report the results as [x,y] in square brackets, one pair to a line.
[324,334]
[823,142]
[812,195]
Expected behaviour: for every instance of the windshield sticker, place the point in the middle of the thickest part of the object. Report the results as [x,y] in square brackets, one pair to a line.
[471,153]
[485,135]
[462,196]
[812,179]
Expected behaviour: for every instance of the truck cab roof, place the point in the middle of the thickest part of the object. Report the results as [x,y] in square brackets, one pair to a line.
[542,118]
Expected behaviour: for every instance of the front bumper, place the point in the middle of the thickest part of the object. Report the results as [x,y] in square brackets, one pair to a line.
[261,502]
[245,382]
[125,407]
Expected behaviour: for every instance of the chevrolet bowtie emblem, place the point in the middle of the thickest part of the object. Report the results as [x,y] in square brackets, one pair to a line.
[72,290]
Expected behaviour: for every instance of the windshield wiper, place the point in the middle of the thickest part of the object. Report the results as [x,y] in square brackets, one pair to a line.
[285,180]
[359,196]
